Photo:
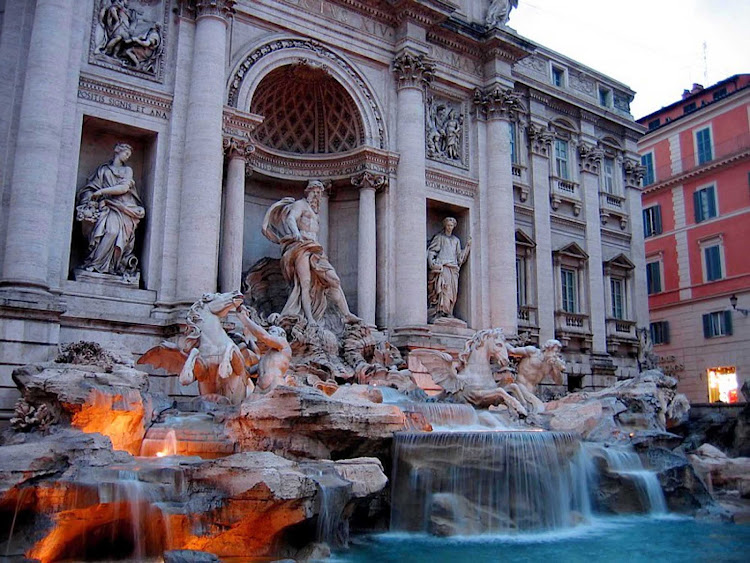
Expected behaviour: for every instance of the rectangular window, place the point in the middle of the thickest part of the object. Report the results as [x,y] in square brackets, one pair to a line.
[647,160]
[561,159]
[659,332]
[703,145]
[558,77]
[652,221]
[722,385]
[653,277]
[521,287]
[689,108]
[717,324]
[720,93]
[618,298]
[608,171]
[654,124]
[513,149]
[704,202]
[569,283]
[712,262]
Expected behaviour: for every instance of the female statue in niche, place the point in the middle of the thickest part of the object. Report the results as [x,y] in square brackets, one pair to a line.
[109,210]
[444,260]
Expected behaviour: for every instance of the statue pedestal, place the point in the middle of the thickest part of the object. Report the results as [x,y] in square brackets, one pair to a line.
[107,279]
[452,322]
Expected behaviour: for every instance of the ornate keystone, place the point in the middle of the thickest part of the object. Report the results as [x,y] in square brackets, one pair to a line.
[369,180]
[236,147]
[497,103]
[413,71]
[540,139]
[590,157]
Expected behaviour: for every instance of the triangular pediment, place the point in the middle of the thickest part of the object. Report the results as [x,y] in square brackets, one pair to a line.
[522,239]
[620,261]
[573,251]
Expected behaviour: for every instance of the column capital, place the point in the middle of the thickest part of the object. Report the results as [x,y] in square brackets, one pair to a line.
[413,70]
[497,103]
[589,158]
[540,139]
[370,181]
[634,172]
[237,147]
[223,9]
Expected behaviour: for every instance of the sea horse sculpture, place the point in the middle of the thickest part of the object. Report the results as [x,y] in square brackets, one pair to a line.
[206,353]
[470,378]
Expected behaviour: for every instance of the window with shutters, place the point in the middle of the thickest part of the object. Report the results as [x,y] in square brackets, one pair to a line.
[703,146]
[649,175]
[659,332]
[608,175]
[712,258]
[569,284]
[716,324]
[653,277]
[617,287]
[652,221]
[704,202]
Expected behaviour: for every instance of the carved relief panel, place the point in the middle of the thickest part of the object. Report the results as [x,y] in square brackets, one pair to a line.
[445,140]
[130,36]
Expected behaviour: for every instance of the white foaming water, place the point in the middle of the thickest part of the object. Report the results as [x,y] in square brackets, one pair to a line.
[623,461]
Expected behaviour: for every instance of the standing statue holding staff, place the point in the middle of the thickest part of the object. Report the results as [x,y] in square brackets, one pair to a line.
[444,260]
[294,224]
[498,13]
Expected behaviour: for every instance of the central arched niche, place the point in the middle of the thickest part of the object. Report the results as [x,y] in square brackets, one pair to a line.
[306,112]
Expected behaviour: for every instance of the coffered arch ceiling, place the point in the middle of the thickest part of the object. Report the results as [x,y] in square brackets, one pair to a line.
[307,111]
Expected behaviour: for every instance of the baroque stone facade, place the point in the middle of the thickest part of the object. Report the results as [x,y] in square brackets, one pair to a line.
[407,112]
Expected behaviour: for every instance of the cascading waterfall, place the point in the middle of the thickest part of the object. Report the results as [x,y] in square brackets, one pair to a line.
[440,415]
[487,482]
[624,462]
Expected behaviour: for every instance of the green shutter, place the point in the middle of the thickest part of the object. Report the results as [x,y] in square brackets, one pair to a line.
[665,332]
[707,325]
[728,322]
[697,206]
[711,195]
[657,220]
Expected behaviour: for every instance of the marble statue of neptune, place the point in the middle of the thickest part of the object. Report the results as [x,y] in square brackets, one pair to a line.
[294,224]
[444,259]
[109,210]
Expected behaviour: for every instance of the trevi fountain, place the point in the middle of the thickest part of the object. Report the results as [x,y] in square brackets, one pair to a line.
[404,403]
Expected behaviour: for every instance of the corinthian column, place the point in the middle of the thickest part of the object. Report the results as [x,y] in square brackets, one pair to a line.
[498,106]
[368,184]
[589,160]
[230,259]
[200,203]
[35,166]
[540,141]
[413,72]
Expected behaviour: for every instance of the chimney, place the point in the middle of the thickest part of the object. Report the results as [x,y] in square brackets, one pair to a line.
[696,88]
[685,94]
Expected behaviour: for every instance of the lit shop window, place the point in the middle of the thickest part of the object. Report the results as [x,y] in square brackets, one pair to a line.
[722,385]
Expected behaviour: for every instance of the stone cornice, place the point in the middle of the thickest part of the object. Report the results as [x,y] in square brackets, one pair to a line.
[589,158]
[332,166]
[369,180]
[238,123]
[698,171]
[413,70]
[497,103]
[424,12]
[439,180]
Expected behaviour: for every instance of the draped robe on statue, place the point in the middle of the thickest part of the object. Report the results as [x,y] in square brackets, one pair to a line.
[110,223]
[442,286]
[276,229]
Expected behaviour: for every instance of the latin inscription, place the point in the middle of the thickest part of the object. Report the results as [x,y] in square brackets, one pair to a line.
[343,16]
[122,104]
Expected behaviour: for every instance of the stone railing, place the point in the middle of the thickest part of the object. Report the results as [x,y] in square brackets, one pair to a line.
[561,190]
[572,322]
[613,206]
[527,316]
[621,329]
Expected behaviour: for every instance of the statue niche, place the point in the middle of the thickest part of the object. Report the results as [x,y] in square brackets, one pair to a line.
[109,210]
[444,260]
